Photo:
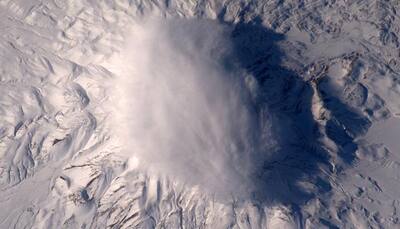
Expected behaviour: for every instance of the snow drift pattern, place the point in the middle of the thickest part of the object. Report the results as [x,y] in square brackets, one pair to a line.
[187,108]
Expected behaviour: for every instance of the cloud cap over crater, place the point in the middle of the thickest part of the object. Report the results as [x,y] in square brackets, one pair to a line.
[186,108]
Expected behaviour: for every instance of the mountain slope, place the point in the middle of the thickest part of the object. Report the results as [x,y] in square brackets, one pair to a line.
[325,71]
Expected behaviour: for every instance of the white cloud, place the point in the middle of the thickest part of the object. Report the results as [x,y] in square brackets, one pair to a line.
[185,109]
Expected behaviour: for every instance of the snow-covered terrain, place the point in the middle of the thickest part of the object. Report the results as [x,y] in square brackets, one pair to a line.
[199,114]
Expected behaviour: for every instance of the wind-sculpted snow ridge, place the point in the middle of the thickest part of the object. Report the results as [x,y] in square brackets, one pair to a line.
[313,76]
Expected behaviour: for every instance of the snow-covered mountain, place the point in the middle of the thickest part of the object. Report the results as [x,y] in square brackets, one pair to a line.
[199,114]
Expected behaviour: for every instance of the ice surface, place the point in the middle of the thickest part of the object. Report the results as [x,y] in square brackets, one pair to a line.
[386,132]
